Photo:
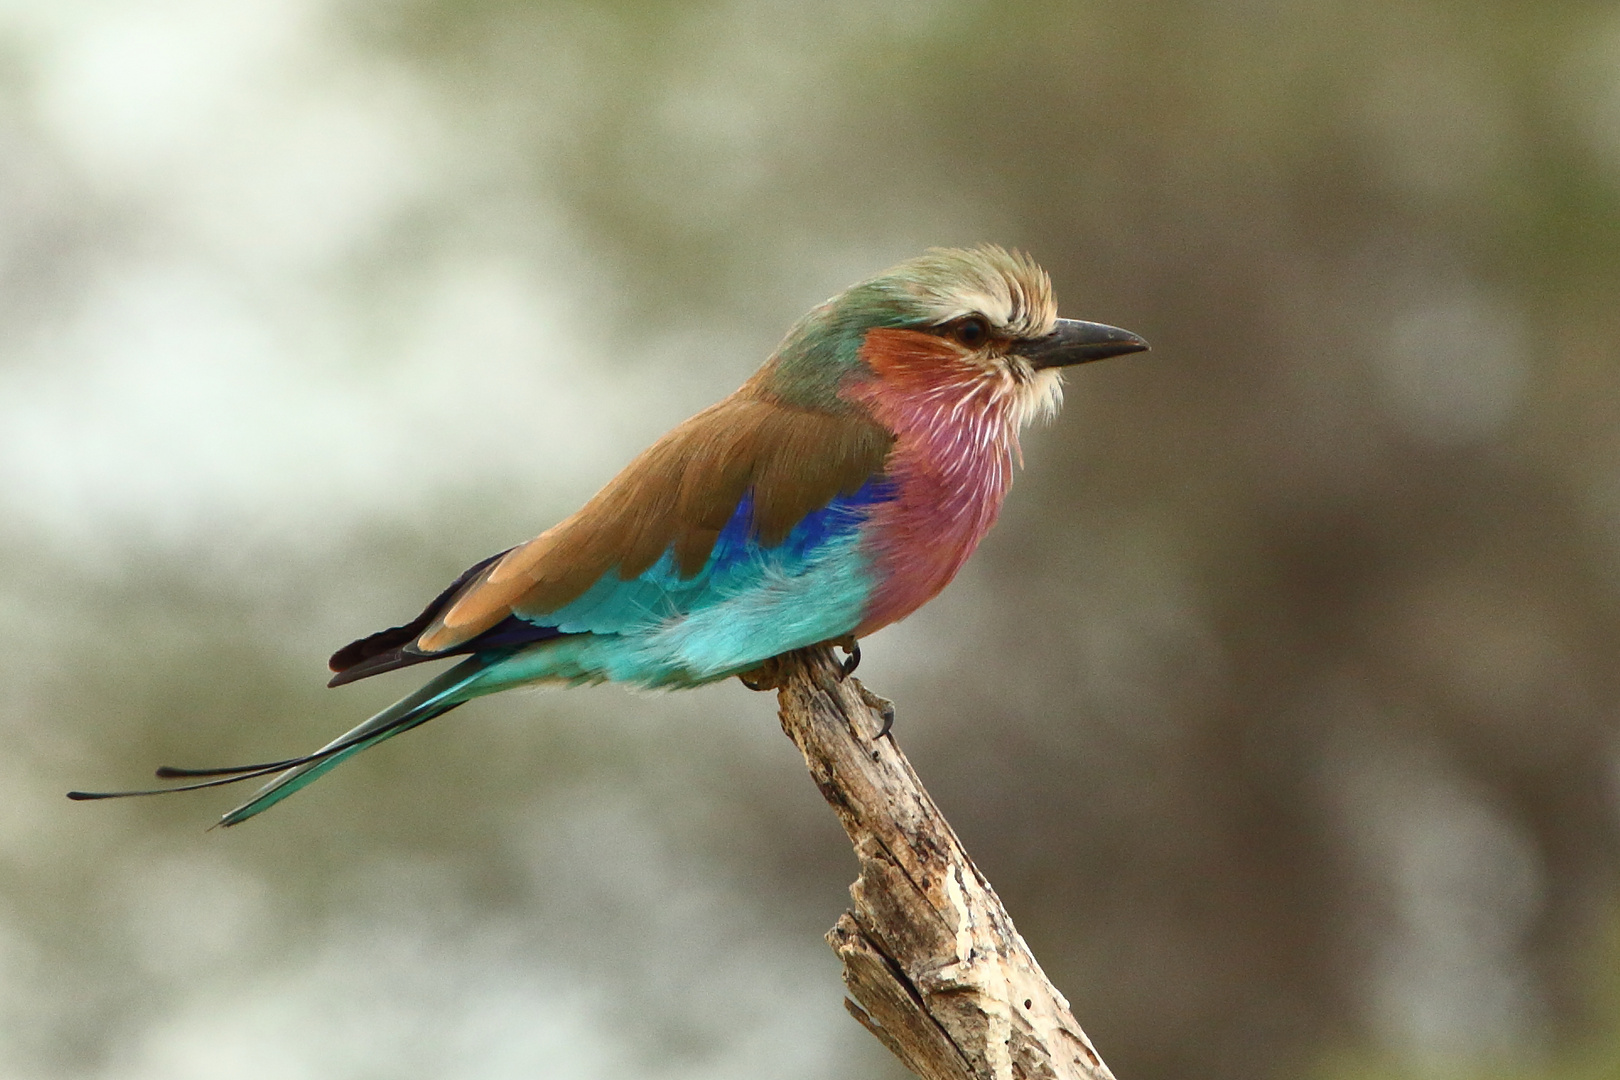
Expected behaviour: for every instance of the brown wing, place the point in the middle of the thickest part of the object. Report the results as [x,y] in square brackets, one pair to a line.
[677,495]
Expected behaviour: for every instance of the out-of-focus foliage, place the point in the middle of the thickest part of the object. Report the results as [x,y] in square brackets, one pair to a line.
[1280,707]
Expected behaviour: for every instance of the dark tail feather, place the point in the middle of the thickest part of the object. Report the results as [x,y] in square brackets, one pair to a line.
[434,699]
[235,774]
[90,796]
[169,772]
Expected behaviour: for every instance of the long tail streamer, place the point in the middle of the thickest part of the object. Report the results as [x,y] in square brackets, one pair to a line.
[434,699]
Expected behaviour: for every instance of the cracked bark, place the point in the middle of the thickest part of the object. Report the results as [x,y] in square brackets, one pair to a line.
[933,963]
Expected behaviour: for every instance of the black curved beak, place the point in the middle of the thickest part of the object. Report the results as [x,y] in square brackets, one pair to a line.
[1074,342]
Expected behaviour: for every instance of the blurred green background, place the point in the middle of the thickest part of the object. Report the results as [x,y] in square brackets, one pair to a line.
[1280,708]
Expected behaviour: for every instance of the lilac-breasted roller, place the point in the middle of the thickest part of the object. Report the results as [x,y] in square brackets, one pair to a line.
[835,492]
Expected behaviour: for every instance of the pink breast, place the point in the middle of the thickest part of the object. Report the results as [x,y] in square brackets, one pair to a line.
[955,443]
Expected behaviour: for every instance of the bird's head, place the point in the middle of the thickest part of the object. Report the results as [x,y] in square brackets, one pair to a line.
[980,320]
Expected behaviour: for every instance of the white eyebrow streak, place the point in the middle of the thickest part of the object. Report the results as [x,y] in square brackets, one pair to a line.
[1006,288]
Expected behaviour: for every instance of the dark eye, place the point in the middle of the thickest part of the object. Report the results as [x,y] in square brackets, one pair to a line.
[972,331]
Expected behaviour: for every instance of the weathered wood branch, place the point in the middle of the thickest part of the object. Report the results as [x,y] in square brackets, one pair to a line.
[934,964]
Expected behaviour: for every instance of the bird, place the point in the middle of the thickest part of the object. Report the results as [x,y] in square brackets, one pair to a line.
[835,492]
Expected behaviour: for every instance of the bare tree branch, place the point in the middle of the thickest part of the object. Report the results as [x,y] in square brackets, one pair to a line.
[935,966]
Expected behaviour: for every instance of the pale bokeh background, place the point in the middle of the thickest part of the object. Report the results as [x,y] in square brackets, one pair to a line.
[1281,708]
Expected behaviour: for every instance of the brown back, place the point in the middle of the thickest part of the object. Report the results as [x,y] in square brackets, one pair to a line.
[678,494]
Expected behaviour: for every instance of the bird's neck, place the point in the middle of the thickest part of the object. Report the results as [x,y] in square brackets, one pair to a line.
[956,423]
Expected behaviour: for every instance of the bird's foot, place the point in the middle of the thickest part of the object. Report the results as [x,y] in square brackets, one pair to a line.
[883,707]
[768,676]
[887,712]
[852,655]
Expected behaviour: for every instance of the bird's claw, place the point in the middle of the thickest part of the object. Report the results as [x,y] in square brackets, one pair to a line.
[768,676]
[852,656]
[883,707]
[886,710]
